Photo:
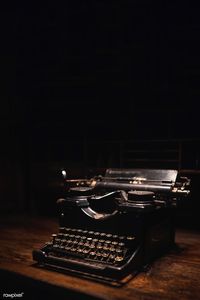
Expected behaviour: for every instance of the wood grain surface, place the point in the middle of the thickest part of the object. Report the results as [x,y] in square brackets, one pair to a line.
[174,276]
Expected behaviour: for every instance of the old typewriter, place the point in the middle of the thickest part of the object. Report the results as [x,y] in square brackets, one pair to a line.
[112,226]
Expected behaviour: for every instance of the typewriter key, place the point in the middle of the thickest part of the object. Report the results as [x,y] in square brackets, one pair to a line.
[121,244]
[91,232]
[102,234]
[54,237]
[96,233]
[105,247]
[108,235]
[93,253]
[105,254]
[130,238]
[111,256]
[119,250]
[85,251]
[112,249]
[115,243]
[107,241]
[67,247]
[119,258]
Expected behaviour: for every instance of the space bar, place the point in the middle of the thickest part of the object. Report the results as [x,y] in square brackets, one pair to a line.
[77,262]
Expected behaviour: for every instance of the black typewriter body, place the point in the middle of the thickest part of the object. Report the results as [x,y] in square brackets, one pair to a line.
[113,226]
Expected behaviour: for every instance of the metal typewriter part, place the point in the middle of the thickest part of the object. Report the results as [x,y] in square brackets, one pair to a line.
[112,226]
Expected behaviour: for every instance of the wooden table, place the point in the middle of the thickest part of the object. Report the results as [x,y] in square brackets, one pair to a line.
[174,276]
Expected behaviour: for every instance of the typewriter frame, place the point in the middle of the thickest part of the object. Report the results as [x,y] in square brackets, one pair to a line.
[148,218]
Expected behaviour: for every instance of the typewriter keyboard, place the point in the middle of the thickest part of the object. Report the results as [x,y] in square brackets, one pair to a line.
[90,245]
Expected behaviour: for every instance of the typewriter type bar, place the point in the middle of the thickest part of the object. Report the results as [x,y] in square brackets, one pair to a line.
[112,226]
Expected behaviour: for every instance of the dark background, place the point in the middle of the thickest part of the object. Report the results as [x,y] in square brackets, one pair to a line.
[97,84]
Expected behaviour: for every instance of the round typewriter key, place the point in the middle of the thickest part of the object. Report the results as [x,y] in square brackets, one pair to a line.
[85,251]
[119,258]
[115,236]
[91,232]
[130,238]
[104,254]
[93,253]
[105,247]
[89,238]
[107,241]
[108,235]
[115,243]
[121,244]
[99,246]
[77,236]
[102,234]
[119,250]
[101,241]
[80,250]
[73,249]
[91,246]
[96,233]
[54,237]
[95,240]
[80,243]
[85,231]
[79,230]
[121,237]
